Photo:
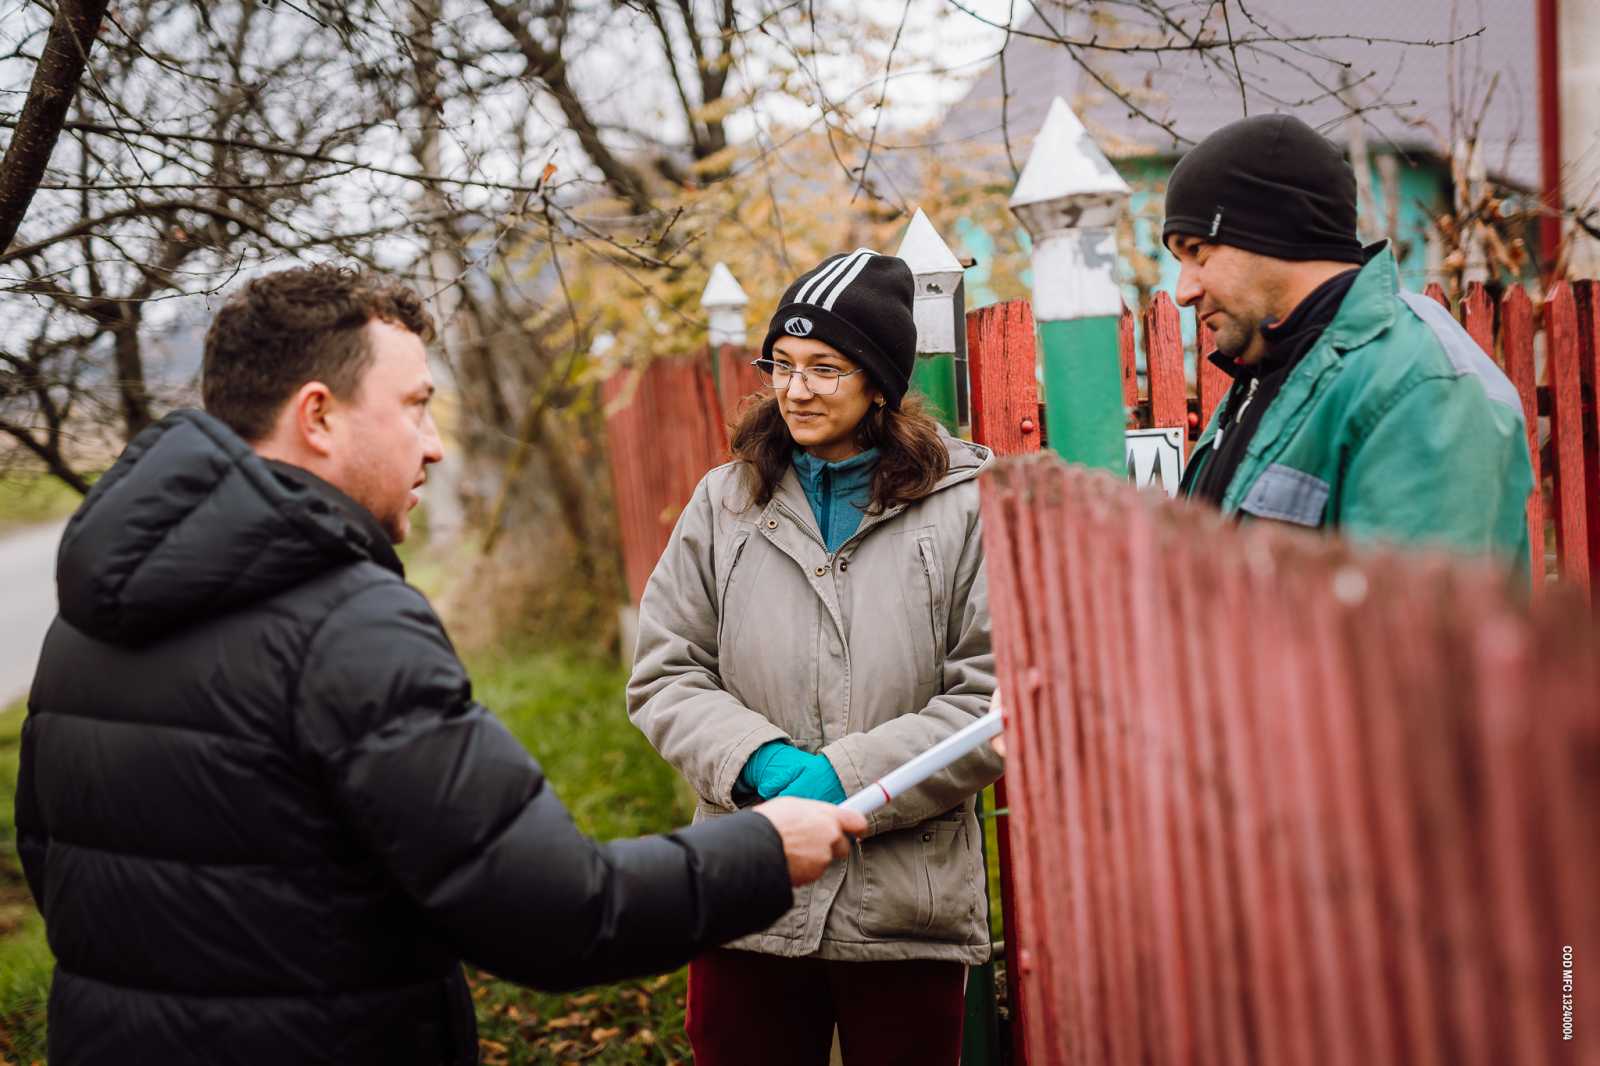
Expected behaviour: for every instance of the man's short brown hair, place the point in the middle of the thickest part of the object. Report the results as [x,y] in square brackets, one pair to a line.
[285,329]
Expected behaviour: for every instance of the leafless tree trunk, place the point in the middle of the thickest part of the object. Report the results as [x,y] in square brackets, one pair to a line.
[55,82]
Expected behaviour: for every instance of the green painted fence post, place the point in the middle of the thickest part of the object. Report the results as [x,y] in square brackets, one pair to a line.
[1069,198]
[938,313]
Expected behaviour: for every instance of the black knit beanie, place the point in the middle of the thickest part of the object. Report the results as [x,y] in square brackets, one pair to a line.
[860,304]
[1268,184]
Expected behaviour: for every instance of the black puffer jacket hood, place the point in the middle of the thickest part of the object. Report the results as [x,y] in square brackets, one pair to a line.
[262,815]
[190,523]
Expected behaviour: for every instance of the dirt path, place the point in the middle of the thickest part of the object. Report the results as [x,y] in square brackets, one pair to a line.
[27,604]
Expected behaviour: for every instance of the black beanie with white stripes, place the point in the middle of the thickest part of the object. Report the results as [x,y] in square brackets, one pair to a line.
[858,303]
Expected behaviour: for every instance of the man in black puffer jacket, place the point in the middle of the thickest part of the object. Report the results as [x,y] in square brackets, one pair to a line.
[258,807]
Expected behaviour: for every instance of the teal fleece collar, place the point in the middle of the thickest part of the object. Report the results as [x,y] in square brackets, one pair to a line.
[837,492]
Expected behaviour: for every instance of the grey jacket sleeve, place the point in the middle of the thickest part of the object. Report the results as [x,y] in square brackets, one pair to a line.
[675,695]
[968,686]
[457,812]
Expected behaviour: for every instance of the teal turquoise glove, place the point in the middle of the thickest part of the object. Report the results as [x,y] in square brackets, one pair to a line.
[817,781]
[772,767]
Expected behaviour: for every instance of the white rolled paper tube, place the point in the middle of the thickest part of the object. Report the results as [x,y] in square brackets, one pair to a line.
[912,773]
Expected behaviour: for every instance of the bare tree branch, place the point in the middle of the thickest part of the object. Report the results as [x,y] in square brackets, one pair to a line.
[291,153]
[549,67]
[55,81]
[1233,50]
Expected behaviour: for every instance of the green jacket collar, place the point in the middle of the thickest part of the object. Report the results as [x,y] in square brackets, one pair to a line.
[1369,307]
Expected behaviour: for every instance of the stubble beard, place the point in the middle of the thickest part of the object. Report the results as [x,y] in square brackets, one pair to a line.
[1236,337]
[1233,338]
[394,520]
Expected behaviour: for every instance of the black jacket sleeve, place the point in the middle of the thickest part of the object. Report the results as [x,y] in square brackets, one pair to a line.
[458,812]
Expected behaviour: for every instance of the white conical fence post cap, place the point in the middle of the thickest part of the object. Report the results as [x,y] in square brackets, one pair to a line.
[723,290]
[938,273]
[725,301]
[925,251]
[1067,182]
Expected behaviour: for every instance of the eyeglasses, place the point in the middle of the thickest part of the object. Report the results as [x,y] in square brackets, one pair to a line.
[820,380]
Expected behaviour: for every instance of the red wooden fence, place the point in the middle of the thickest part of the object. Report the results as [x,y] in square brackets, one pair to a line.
[1282,803]
[1001,356]
[664,428]
[666,425]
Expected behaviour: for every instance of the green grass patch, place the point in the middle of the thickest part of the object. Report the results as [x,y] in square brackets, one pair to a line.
[25,965]
[25,959]
[570,713]
[991,856]
[29,499]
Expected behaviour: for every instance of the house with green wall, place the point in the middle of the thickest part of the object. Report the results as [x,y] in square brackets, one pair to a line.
[1402,88]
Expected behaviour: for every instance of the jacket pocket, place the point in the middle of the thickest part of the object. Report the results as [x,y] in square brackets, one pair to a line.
[1287,495]
[930,603]
[734,555]
[920,883]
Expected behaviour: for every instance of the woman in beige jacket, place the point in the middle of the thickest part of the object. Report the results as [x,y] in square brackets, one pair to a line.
[819,616]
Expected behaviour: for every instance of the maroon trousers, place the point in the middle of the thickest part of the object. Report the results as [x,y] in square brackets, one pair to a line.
[747,1008]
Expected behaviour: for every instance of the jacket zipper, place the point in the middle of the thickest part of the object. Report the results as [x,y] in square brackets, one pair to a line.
[825,515]
[933,607]
[1255,383]
[801,523]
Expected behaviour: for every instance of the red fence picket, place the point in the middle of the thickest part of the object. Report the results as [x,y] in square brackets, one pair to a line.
[1214,382]
[664,429]
[1163,347]
[1516,348]
[1365,847]
[1165,404]
[1477,317]
[1130,368]
[1586,299]
[1002,363]
[1568,504]
[1002,366]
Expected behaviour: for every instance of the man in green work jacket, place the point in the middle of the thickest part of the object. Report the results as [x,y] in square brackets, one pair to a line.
[1356,406]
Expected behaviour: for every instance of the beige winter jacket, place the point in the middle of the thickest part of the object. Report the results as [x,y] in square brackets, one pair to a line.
[750,632]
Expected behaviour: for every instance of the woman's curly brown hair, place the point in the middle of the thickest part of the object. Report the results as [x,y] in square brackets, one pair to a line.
[911,456]
[285,329]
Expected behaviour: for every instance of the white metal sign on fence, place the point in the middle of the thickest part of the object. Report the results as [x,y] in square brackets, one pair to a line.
[1155,458]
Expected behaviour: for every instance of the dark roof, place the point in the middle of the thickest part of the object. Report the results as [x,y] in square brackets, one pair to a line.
[1407,89]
